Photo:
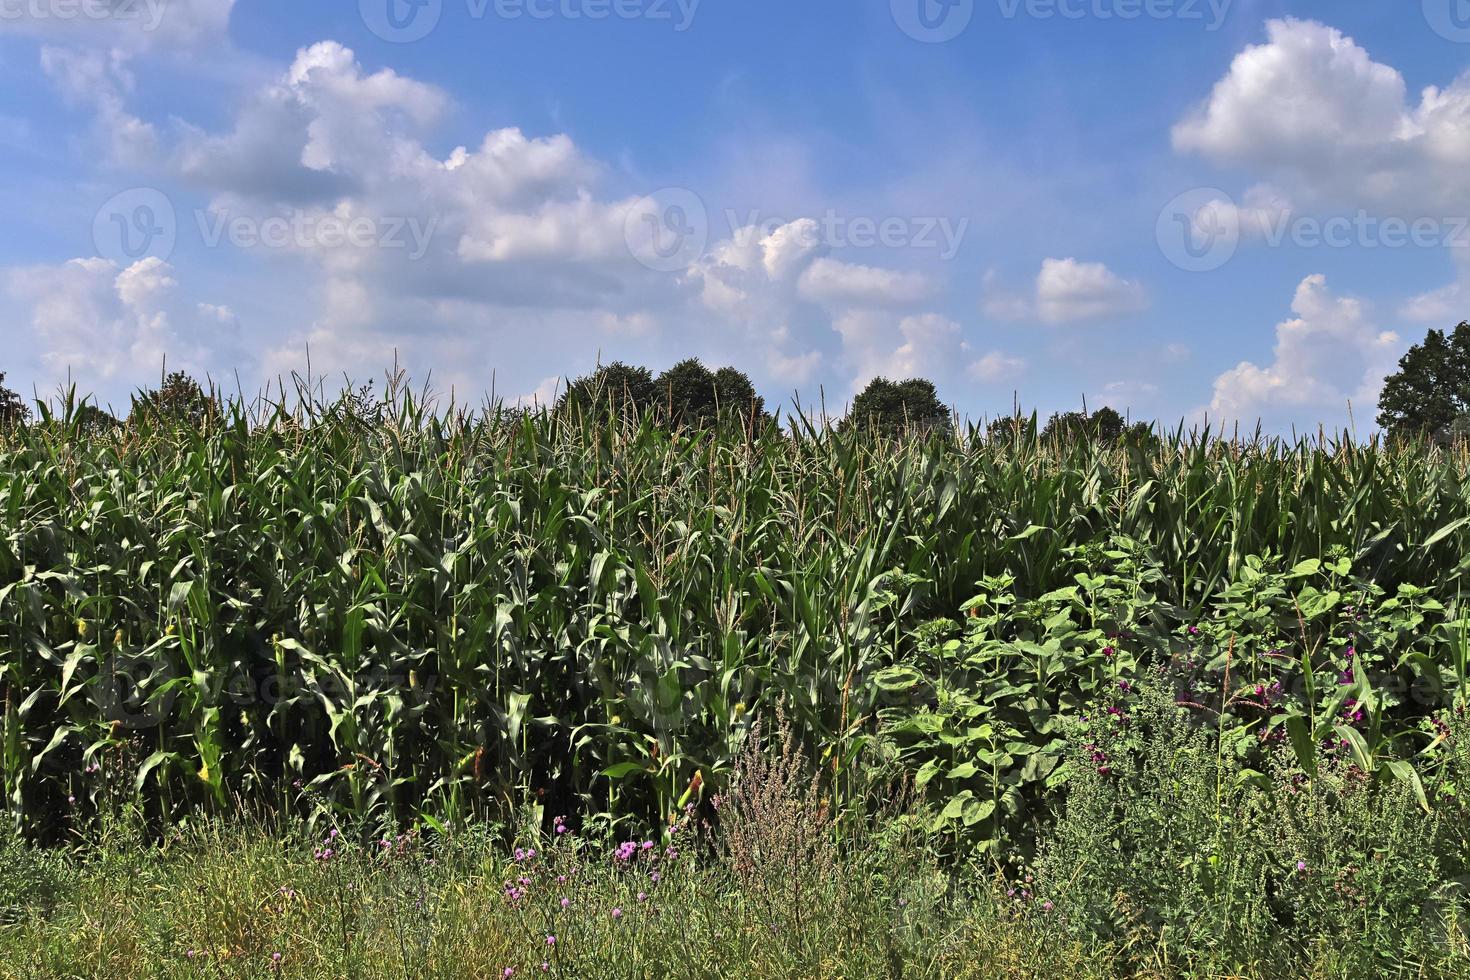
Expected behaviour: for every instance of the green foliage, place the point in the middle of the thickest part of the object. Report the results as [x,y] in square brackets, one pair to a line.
[241,900]
[1172,845]
[621,390]
[13,408]
[1171,859]
[1104,425]
[35,881]
[91,420]
[1007,429]
[689,395]
[737,395]
[1310,658]
[360,405]
[447,616]
[895,407]
[179,400]
[1431,388]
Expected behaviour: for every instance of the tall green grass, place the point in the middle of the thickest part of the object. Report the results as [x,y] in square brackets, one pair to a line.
[1180,862]
[444,616]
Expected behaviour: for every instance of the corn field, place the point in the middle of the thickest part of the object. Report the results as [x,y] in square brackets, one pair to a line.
[442,617]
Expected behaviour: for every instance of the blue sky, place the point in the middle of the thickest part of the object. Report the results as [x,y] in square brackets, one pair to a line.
[1235,209]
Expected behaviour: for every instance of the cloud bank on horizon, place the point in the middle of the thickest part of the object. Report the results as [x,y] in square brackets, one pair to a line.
[1256,232]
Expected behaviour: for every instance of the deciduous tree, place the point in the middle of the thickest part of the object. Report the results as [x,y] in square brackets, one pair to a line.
[13,408]
[178,399]
[690,394]
[1431,388]
[900,406]
[617,388]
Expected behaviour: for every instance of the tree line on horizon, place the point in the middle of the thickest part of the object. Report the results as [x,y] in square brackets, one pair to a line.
[1428,396]
[688,395]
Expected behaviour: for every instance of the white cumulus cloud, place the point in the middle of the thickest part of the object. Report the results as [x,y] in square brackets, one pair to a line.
[1313,111]
[845,284]
[98,321]
[997,366]
[1328,354]
[1066,291]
